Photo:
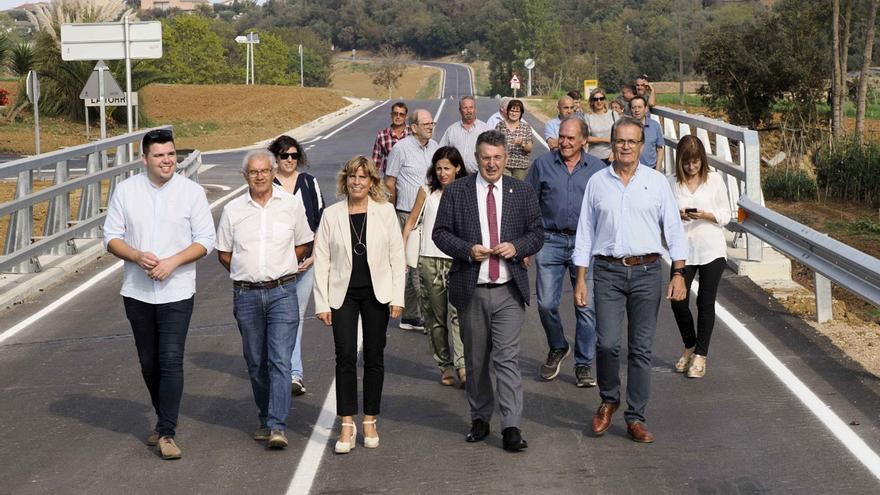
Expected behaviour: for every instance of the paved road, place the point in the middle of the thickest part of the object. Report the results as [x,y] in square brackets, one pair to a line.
[75,412]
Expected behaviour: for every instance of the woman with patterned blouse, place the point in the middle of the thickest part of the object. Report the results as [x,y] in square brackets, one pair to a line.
[518,139]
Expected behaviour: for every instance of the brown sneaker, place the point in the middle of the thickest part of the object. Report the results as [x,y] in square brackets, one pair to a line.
[153,439]
[638,432]
[277,440]
[169,449]
[446,378]
[602,418]
[261,433]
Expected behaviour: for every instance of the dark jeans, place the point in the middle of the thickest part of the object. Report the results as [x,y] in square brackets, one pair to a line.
[710,277]
[268,320]
[634,291]
[160,335]
[374,319]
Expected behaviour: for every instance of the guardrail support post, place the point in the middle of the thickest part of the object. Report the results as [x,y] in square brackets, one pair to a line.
[90,199]
[21,225]
[58,216]
[823,298]
[750,158]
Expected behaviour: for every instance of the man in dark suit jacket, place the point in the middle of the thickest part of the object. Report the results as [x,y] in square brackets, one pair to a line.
[488,224]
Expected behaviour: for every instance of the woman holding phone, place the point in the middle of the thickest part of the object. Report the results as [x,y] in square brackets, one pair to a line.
[705,210]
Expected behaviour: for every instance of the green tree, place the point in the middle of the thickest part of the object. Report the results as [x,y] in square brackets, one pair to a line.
[271,60]
[389,70]
[192,52]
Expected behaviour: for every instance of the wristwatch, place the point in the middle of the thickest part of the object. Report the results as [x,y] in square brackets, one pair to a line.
[677,271]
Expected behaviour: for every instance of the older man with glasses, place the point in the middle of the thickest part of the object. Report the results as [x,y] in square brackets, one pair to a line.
[406,172]
[261,235]
[389,136]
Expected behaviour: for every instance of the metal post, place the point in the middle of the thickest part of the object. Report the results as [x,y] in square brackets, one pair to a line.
[530,83]
[103,100]
[90,199]
[36,94]
[87,120]
[247,63]
[128,114]
[301,80]
[21,225]
[823,298]
[58,217]
[750,159]
[253,60]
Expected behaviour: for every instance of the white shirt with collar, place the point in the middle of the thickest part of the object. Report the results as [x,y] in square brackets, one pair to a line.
[262,240]
[465,140]
[164,221]
[482,192]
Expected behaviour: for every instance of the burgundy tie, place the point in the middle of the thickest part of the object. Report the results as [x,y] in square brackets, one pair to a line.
[494,264]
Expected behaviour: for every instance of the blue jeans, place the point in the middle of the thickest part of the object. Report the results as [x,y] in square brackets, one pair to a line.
[267,320]
[304,283]
[160,336]
[635,291]
[552,261]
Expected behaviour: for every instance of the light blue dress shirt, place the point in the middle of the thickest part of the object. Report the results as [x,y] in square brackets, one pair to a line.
[653,141]
[162,220]
[622,221]
[551,128]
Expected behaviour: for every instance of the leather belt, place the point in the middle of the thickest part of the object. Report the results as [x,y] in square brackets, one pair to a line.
[403,211]
[271,284]
[631,260]
[491,286]
[562,232]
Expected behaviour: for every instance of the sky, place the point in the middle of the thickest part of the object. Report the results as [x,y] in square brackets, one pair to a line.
[8,4]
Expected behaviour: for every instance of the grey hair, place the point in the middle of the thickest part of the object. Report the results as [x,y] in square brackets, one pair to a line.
[582,125]
[264,154]
[504,101]
[465,98]
[413,118]
[624,121]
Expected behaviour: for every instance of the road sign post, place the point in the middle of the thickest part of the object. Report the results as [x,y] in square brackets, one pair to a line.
[101,86]
[514,84]
[301,80]
[33,94]
[529,64]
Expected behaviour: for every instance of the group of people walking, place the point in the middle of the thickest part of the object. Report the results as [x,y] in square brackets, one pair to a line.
[441,236]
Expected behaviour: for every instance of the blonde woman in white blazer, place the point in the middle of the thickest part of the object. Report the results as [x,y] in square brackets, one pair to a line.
[359,272]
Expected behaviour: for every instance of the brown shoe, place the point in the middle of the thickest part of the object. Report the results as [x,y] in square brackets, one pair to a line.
[602,418]
[446,378]
[169,449]
[462,378]
[638,432]
[153,439]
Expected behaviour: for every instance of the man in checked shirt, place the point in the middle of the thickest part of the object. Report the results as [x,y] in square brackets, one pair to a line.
[389,136]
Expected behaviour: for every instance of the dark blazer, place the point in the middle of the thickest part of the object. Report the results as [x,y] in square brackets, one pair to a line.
[457,229]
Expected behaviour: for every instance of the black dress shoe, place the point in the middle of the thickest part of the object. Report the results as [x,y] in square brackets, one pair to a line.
[479,431]
[512,439]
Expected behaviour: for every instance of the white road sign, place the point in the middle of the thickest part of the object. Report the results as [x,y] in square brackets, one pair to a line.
[514,82]
[530,63]
[111,87]
[114,101]
[106,40]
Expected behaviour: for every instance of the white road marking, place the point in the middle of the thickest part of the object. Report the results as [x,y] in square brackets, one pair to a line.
[217,186]
[439,110]
[304,475]
[540,139]
[86,285]
[352,121]
[313,140]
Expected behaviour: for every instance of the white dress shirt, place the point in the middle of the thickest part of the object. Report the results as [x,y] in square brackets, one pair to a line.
[465,141]
[705,239]
[262,240]
[164,221]
[482,191]
[408,162]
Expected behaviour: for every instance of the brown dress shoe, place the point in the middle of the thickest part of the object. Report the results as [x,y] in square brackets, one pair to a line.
[168,449]
[638,432]
[446,378]
[462,378]
[602,418]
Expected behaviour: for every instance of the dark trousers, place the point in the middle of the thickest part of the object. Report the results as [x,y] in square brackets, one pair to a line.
[374,319]
[710,277]
[160,335]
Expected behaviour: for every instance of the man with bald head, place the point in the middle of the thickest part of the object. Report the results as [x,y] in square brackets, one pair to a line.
[463,134]
[405,173]
[565,105]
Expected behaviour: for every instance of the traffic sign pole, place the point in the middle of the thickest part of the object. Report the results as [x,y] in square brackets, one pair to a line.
[128,115]
[101,68]
[33,92]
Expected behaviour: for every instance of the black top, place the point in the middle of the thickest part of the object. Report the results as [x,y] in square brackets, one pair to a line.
[360,270]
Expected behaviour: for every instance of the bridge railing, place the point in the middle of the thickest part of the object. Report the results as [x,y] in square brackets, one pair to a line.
[105,166]
[742,173]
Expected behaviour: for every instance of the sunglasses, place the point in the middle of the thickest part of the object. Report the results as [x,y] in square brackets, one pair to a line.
[398,114]
[160,134]
[285,156]
[598,98]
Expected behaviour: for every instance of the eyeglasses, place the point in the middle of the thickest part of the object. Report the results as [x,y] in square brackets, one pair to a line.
[626,143]
[285,156]
[256,173]
[398,114]
[598,98]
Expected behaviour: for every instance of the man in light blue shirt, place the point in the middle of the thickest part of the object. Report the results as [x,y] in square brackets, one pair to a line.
[565,106]
[160,223]
[625,208]
[652,150]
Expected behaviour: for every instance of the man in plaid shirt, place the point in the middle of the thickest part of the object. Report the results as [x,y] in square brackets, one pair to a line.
[389,136]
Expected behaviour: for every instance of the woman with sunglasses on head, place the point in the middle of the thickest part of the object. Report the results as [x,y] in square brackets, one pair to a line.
[518,140]
[599,120]
[290,157]
[705,210]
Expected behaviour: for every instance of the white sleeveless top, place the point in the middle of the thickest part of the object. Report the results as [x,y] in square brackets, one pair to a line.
[432,204]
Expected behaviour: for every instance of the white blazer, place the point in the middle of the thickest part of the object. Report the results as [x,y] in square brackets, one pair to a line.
[332,252]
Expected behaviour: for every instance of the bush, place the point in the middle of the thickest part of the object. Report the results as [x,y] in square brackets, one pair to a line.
[788,184]
[850,171]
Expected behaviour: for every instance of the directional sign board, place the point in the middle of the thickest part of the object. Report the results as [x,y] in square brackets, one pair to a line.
[111,87]
[113,101]
[33,87]
[514,82]
[106,40]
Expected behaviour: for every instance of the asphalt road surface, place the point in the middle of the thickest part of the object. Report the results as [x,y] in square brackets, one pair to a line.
[780,410]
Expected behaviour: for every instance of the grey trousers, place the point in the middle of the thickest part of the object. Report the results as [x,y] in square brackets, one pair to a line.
[636,292]
[412,291]
[490,329]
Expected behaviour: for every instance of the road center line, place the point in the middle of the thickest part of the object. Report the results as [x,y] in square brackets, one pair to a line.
[87,284]
[439,111]
[352,121]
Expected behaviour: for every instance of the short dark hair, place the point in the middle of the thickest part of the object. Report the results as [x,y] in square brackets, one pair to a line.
[492,138]
[516,103]
[631,88]
[574,94]
[400,104]
[639,97]
[624,121]
[450,153]
[583,128]
[157,136]
[285,142]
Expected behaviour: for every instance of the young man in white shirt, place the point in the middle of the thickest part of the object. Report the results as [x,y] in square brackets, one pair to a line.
[261,236]
[159,223]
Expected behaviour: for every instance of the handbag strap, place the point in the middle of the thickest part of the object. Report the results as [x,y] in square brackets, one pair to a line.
[424,205]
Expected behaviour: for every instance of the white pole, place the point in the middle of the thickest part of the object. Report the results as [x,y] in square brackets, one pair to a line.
[253,61]
[530,82]
[34,91]
[247,63]
[103,101]
[128,114]
[301,81]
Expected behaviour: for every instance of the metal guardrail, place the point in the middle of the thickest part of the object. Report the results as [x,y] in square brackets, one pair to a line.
[742,176]
[831,260]
[21,249]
